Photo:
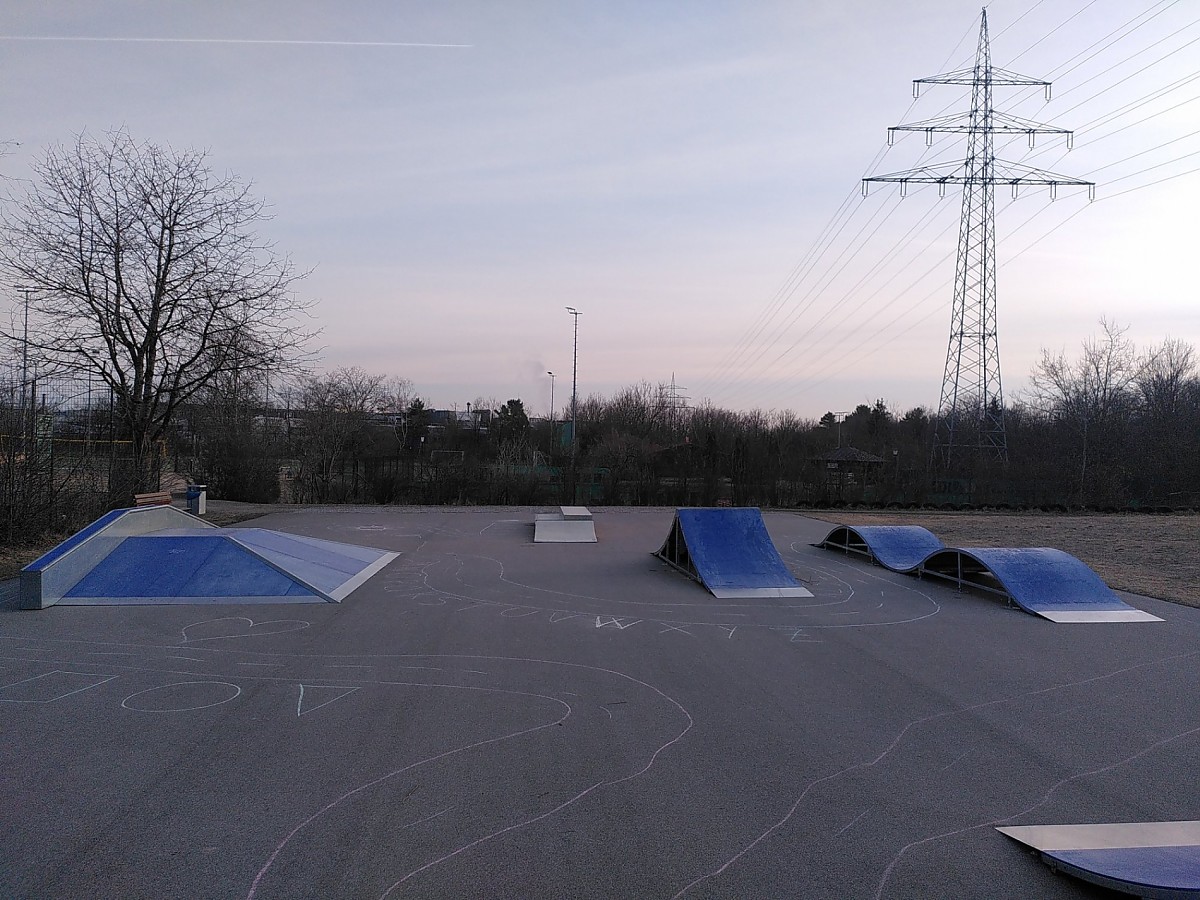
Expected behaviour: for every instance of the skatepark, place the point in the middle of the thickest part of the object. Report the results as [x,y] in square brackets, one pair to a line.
[482,715]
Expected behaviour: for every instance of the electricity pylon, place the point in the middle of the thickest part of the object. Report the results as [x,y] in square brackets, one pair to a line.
[972,403]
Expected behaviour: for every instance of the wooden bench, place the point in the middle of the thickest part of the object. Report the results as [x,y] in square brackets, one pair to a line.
[155,498]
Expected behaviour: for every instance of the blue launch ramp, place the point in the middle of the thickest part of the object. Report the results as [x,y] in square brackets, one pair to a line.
[900,548]
[1147,859]
[160,555]
[1041,580]
[729,552]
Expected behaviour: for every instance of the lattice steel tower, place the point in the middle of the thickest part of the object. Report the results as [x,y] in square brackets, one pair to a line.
[972,402]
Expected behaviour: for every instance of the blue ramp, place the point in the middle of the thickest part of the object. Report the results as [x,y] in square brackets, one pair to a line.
[1147,859]
[729,552]
[900,548]
[1041,580]
[162,555]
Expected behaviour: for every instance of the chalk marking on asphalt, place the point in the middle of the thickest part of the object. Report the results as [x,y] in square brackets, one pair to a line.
[237,691]
[847,826]
[301,711]
[301,623]
[105,678]
[669,627]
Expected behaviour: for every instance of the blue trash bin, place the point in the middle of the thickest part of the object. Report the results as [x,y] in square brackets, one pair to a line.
[197,494]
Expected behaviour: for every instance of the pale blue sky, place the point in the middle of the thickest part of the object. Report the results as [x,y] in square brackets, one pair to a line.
[662,167]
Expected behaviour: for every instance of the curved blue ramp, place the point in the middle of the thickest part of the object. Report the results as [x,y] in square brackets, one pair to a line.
[1041,580]
[900,548]
[729,551]
[1147,859]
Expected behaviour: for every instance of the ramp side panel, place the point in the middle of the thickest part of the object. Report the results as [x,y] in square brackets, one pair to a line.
[327,567]
[731,549]
[564,531]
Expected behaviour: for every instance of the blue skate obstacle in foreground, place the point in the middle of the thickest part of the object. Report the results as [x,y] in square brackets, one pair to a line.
[1040,580]
[1147,859]
[729,551]
[161,555]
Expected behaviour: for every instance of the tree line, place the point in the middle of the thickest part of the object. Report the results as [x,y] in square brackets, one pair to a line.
[141,270]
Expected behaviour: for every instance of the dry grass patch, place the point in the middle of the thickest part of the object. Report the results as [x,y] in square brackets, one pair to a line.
[1152,555]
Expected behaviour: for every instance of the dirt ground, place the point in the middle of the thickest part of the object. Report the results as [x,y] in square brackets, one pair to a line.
[1153,555]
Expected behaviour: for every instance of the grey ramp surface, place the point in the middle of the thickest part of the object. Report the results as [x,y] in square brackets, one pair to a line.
[489,720]
[555,529]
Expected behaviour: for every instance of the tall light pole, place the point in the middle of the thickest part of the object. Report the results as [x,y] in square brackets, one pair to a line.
[552,377]
[574,396]
[25,342]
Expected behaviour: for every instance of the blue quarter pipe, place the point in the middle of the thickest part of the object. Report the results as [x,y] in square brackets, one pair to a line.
[1040,580]
[729,552]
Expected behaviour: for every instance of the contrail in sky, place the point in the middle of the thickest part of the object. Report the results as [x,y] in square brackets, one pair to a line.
[161,40]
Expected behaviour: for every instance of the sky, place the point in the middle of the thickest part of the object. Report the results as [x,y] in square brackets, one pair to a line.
[686,175]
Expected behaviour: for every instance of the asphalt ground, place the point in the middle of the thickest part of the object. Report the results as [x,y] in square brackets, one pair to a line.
[489,717]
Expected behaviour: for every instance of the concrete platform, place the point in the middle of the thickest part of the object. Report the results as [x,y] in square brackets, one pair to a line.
[487,718]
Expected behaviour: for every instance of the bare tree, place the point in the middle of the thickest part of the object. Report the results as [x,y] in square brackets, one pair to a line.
[142,266]
[339,409]
[1093,397]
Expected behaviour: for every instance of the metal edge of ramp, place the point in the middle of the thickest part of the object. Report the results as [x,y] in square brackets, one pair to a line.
[1159,860]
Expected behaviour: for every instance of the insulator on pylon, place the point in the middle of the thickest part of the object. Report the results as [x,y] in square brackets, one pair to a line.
[891,136]
[941,189]
[1054,190]
[1014,187]
[1032,136]
[903,189]
[928,137]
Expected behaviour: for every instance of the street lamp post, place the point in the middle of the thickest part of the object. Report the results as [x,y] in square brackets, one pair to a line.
[552,377]
[574,396]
